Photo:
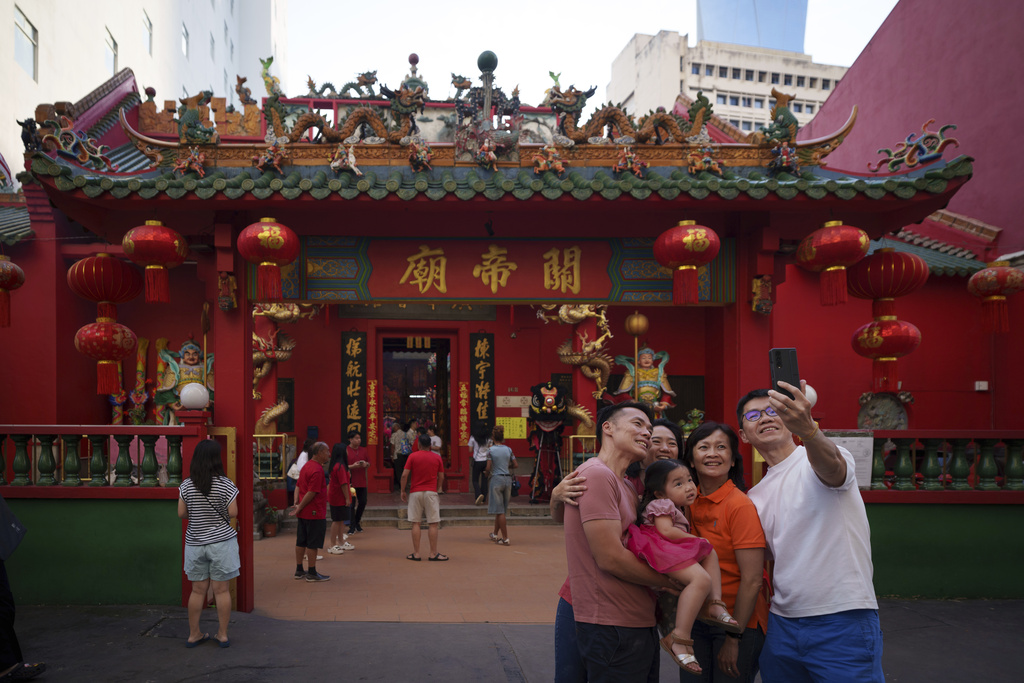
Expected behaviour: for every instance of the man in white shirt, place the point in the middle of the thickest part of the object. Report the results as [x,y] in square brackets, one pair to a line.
[823,624]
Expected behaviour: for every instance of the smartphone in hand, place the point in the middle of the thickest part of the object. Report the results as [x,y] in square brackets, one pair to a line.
[782,365]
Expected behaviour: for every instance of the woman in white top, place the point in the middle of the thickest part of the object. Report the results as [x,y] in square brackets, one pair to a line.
[480,444]
[209,501]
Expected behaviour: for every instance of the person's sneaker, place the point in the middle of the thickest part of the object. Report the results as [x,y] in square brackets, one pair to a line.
[344,537]
[480,499]
[299,574]
[348,546]
[316,577]
[359,530]
[336,550]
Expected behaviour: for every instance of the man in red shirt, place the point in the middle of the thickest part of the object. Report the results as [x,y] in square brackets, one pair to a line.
[311,512]
[426,470]
[358,461]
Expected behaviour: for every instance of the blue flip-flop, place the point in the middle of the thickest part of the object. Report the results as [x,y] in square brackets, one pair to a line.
[191,644]
[224,643]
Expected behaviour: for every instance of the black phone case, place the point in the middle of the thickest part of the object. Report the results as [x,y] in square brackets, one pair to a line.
[782,365]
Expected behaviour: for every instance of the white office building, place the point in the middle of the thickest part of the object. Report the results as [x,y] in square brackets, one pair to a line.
[651,70]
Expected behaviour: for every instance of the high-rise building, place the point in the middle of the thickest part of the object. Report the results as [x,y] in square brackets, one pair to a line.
[651,70]
[178,48]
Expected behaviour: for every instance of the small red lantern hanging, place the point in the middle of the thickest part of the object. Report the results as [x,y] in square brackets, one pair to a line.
[682,249]
[269,245]
[11,277]
[158,248]
[883,341]
[992,285]
[830,251]
[884,275]
[109,343]
[107,281]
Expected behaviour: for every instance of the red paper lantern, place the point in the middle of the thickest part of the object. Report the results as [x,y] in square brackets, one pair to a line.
[11,277]
[992,285]
[107,281]
[682,249]
[104,279]
[830,251]
[269,245]
[884,341]
[158,248]
[109,343]
[884,275]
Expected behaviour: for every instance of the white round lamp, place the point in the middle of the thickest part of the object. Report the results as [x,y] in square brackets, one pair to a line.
[194,396]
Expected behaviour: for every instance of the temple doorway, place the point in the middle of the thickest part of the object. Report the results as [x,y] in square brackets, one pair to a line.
[416,384]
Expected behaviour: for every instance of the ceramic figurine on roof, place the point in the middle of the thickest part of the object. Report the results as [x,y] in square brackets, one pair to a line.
[658,125]
[784,125]
[701,160]
[344,160]
[192,161]
[191,130]
[460,83]
[271,83]
[419,155]
[630,161]
[549,160]
[914,152]
[486,157]
[29,135]
[784,160]
[274,155]
[74,144]
[475,128]
[244,93]
[404,105]
[412,79]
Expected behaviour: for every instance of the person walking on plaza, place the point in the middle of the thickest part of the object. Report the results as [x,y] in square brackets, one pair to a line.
[823,620]
[358,461]
[339,497]
[300,461]
[435,445]
[398,445]
[500,463]
[209,501]
[478,444]
[424,473]
[312,513]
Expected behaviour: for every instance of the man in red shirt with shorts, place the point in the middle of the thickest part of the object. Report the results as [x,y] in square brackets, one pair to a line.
[311,512]
[425,469]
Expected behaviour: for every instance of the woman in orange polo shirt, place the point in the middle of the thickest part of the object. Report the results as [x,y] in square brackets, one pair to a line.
[725,516]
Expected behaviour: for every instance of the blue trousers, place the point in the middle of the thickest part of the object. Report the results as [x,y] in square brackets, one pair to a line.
[569,666]
[845,647]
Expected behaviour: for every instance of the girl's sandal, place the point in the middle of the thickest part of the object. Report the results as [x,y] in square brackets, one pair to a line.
[723,621]
[686,661]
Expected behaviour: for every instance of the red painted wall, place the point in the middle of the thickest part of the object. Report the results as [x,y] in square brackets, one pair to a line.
[956,62]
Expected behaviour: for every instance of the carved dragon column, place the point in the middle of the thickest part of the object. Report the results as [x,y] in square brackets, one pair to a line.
[584,386]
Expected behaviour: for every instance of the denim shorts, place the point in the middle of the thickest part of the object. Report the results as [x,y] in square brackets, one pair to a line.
[216,561]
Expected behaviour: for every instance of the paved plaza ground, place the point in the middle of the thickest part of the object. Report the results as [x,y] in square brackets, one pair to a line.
[486,615]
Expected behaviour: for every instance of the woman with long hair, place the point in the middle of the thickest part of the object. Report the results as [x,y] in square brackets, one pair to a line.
[500,463]
[727,518]
[666,439]
[339,497]
[209,501]
[479,443]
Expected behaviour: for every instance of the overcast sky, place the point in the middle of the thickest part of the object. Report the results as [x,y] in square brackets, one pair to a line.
[577,38]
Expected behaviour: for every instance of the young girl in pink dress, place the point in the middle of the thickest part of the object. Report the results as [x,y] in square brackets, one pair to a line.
[663,540]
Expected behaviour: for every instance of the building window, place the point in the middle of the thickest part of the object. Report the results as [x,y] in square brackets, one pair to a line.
[747,125]
[110,56]
[709,70]
[232,52]
[232,7]
[771,103]
[798,108]
[826,84]
[736,74]
[682,86]
[720,99]
[788,80]
[695,69]
[762,76]
[735,122]
[682,63]
[723,72]
[758,104]
[147,33]
[213,48]
[809,108]
[734,101]
[226,81]
[184,93]
[813,83]
[775,78]
[26,43]
[799,81]
[748,75]
[184,41]
[225,33]
[746,101]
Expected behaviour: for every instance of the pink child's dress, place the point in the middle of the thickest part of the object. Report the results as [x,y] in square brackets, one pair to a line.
[662,554]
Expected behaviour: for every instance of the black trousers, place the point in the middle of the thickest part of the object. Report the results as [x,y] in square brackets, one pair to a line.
[358,505]
[10,650]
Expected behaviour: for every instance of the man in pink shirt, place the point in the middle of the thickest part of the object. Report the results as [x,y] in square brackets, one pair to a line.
[614,610]
[426,471]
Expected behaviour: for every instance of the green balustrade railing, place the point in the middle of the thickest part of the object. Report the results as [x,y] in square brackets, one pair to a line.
[80,455]
[940,460]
